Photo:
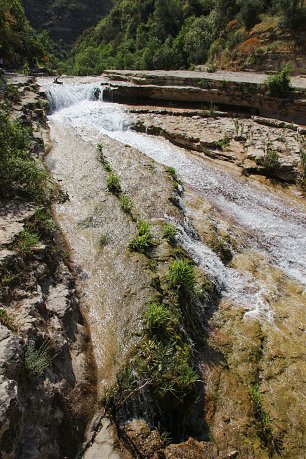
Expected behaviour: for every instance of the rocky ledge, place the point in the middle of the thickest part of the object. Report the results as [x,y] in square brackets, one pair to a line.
[257,145]
[224,88]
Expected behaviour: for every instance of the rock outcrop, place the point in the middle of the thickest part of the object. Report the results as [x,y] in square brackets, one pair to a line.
[47,375]
[203,88]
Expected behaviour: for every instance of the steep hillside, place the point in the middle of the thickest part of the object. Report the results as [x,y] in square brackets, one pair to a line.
[65,19]
[174,34]
[19,44]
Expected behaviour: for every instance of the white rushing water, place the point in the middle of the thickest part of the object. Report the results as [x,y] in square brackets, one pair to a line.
[276,226]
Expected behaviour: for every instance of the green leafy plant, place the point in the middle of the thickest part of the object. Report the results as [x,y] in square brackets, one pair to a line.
[223,143]
[181,275]
[279,85]
[143,242]
[266,432]
[113,183]
[159,319]
[126,204]
[37,360]
[169,233]
[26,241]
[20,174]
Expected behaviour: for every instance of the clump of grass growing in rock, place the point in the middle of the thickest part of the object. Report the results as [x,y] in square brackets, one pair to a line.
[113,183]
[171,171]
[6,320]
[223,143]
[160,320]
[177,184]
[169,233]
[103,241]
[219,245]
[270,160]
[181,275]
[126,204]
[265,430]
[279,85]
[37,360]
[144,241]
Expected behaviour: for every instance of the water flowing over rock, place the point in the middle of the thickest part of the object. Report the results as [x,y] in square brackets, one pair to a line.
[254,336]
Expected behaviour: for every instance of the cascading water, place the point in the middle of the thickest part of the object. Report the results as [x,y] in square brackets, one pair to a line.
[273,225]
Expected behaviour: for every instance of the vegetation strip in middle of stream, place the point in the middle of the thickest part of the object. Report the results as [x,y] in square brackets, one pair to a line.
[160,370]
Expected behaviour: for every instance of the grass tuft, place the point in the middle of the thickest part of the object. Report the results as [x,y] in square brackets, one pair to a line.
[36,361]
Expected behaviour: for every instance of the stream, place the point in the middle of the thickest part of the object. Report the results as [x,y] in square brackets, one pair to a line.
[258,323]
[272,223]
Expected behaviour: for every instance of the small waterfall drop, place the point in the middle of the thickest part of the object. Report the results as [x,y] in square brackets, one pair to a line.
[62,96]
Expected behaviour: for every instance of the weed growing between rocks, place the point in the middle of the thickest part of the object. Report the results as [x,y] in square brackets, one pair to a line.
[37,360]
[265,428]
[169,233]
[144,240]
[177,184]
[269,161]
[126,204]
[113,183]
[6,320]
[223,143]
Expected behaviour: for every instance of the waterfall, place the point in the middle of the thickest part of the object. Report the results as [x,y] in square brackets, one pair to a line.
[65,95]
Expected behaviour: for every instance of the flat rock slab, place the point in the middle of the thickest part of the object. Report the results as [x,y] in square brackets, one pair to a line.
[103,445]
[220,75]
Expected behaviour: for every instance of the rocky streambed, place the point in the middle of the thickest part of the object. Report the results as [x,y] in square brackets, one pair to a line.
[221,376]
[244,236]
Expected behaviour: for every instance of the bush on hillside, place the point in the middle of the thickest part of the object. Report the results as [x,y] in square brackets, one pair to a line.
[279,85]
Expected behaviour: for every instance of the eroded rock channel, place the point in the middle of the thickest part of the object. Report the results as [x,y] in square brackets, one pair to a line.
[211,367]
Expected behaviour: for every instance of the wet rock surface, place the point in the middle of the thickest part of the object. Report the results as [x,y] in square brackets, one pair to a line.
[244,142]
[251,363]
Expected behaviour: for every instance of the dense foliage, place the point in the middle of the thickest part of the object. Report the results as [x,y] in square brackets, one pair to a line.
[20,175]
[19,44]
[173,34]
[65,20]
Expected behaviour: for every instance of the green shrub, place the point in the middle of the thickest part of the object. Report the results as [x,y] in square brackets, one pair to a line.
[113,183]
[126,204]
[159,319]
[143,242]
[26,241]
[20,175]
[169,233]
[37,360]
[181,275]
[279,85]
